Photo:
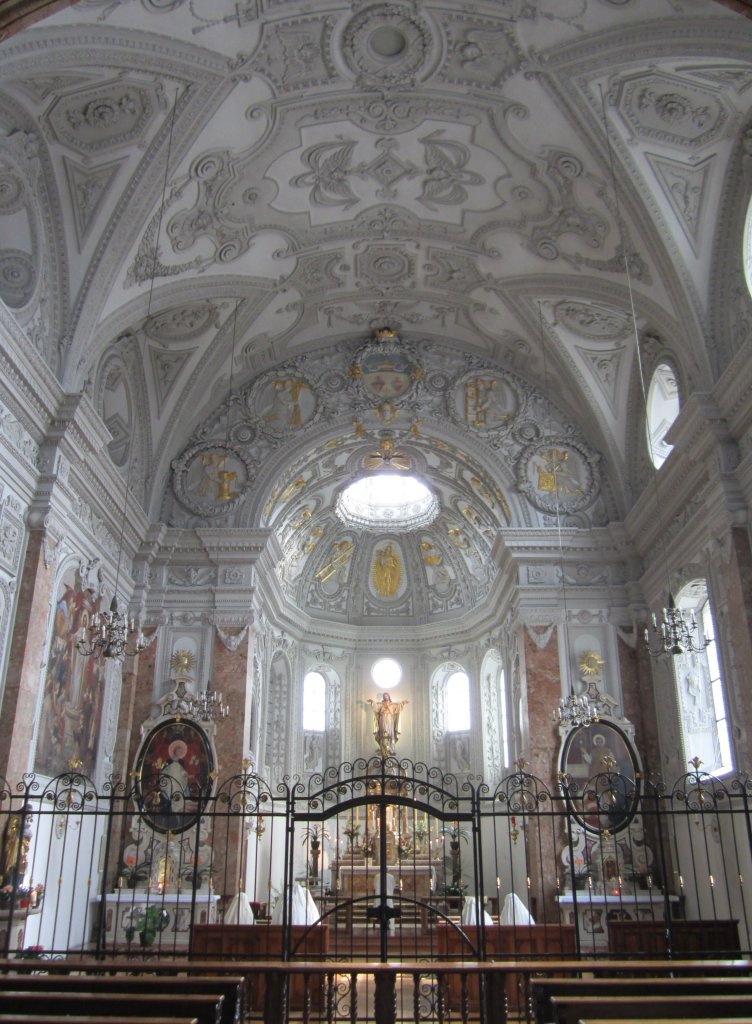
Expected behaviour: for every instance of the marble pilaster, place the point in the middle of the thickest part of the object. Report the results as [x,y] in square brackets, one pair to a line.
[23,675]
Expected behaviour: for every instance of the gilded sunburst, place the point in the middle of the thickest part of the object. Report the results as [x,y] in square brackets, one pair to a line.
[591,664]
[183,661]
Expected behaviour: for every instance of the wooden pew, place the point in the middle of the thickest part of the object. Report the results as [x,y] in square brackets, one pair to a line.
[545,989]
[688,937]
[28,1018]
[232,988]
[573,1009]
[206,1008]
[502,942]
[264,942]
[664,1020]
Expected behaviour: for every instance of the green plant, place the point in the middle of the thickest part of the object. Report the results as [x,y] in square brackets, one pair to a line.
[454,833]
[147,922]
[314,835]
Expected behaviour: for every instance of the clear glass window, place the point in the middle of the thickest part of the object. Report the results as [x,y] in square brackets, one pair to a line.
[458,702]
[314,702]
[504,717]
[662,409]
[700,689]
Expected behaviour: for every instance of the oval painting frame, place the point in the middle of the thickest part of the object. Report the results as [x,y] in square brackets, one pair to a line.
[174,775]
[602,796]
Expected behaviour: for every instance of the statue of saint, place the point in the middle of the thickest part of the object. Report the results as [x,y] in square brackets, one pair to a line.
[386,714]
[386,571]
[16,840]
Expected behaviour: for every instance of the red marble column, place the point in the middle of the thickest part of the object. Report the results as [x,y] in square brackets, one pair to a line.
[27,645]
[230,674]
[639,699]
[543,692]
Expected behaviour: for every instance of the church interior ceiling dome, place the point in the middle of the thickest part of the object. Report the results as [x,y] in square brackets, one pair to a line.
[280,245]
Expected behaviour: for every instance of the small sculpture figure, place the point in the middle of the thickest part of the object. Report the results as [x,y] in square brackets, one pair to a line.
[16,840]
[386,713]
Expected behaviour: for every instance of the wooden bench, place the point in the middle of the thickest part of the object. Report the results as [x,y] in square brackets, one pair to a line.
[502,942]
[264,942]
[206,1009]
[573,1009]
[545,989]
[688,937]
[232,988]
[664,1020]
[28,1018]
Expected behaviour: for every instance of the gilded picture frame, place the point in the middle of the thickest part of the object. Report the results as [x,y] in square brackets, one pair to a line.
[174,775]
[603,774]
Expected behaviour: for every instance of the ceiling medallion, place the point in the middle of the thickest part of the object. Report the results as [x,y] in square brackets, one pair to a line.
[386,45]
[211,479]
[558,476]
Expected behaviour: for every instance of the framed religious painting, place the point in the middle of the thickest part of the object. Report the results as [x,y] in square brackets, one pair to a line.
[174,775]
[603,776]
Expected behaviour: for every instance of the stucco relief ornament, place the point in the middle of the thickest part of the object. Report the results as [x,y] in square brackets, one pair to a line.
[484,400]
[558,476]
[283,403]
[211,479]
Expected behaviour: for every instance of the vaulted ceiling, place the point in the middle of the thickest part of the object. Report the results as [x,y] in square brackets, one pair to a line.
[209,209]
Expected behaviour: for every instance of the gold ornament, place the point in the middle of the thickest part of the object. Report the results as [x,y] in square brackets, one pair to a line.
[183,661]
[591,664]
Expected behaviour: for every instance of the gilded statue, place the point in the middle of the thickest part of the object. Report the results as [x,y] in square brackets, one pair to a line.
[386,715]
[16,840]
[386,571]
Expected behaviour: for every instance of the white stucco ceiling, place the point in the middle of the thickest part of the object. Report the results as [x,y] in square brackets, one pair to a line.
[206,190]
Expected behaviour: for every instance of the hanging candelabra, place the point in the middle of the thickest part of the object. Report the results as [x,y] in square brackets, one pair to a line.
[206,706]
[575,710]
[675,633]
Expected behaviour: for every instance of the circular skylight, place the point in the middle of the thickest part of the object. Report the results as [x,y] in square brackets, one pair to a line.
[394,501]
[386,673]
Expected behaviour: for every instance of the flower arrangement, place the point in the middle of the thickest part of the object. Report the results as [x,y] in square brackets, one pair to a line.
[369,846]
[31,953]
[21,896]
[404,847]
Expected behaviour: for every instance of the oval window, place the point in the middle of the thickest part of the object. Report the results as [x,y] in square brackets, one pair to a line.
[662,410]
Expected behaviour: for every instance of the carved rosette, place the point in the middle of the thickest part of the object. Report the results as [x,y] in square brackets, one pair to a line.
[211,479]
[388,45]
[558,476]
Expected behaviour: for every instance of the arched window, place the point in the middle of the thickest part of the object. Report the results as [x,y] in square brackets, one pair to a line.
[700,689]
[314,702]
[662,409]
[503,719]
[458,702]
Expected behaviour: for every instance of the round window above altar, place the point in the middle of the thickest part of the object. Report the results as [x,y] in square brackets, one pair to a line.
[386,673]
[394,501]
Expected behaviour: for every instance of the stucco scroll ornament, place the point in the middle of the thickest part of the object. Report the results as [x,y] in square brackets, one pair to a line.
[231,643]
